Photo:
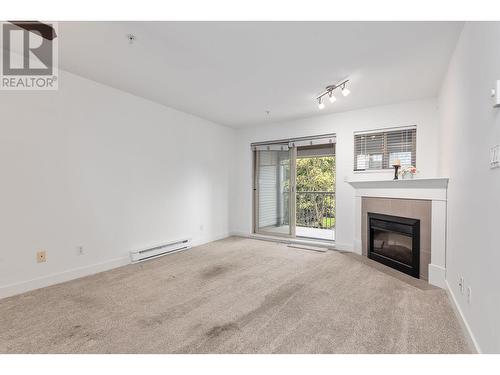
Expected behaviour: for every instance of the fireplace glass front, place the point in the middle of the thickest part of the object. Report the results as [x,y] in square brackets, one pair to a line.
[394,241]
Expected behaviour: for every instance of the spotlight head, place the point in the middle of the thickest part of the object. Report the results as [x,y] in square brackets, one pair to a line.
[345,90]
[321,105]
[331,97]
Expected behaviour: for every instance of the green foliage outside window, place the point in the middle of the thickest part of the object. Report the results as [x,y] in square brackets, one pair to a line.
[315,187]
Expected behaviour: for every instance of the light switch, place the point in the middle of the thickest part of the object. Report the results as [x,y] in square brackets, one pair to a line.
[495,94]
[495,157]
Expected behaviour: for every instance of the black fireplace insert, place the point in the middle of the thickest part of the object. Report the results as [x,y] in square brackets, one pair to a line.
[395,242]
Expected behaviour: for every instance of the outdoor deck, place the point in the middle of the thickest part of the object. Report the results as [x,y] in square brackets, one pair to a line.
[315,217]
[317,233]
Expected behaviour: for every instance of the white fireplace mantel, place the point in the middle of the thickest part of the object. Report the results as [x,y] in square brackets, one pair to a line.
[437,182]
[433,189]
[417,188]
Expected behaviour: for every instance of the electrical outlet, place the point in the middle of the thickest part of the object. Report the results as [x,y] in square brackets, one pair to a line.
[41,256]
[79,250]
[469,294]
[461,284]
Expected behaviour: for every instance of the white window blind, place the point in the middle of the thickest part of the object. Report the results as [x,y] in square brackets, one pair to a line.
[380,150]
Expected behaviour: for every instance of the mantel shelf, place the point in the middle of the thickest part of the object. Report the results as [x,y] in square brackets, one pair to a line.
[415,183]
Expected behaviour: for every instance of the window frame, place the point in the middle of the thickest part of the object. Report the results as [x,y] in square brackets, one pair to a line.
[385,153]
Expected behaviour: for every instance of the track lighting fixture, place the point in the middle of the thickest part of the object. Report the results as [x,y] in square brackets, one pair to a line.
[345,90]
[331,97]
[321,105]
[329,91]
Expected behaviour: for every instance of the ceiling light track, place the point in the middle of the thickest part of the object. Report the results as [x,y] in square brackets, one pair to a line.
[329,91]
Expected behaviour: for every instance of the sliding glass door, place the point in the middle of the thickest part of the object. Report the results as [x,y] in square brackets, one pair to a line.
[272,189]
[294,188]
[315,192]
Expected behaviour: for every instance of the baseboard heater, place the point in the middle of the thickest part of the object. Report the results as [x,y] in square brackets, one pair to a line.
[160,250]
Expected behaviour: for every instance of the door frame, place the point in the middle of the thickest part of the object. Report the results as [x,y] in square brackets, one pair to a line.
[292,196]
[292,220]
[293,186]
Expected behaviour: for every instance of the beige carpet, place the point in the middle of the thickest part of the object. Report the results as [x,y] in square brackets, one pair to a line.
[235,296]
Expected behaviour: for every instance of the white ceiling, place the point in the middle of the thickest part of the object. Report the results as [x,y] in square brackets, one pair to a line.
[233,72]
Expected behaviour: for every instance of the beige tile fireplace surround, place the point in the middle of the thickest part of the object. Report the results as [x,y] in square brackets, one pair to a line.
[411,208]
[422,198]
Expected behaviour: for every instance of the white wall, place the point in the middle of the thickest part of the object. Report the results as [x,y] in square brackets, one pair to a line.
[422,113]
[469,127]
[93,166]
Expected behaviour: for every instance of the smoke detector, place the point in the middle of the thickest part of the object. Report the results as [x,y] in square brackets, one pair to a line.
[131,38]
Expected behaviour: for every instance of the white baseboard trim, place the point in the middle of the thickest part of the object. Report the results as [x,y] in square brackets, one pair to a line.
[204,240]
[358,247]
[461,317]
[346,247]
[75,273]
[239,234]
[61,277]
[437,276]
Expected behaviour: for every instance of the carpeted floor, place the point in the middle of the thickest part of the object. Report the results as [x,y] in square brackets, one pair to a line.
[235,296]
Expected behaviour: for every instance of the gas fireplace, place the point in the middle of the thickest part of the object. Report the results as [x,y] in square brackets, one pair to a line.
[395,242]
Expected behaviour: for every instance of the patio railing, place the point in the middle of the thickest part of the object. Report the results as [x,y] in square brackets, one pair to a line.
[315,209]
